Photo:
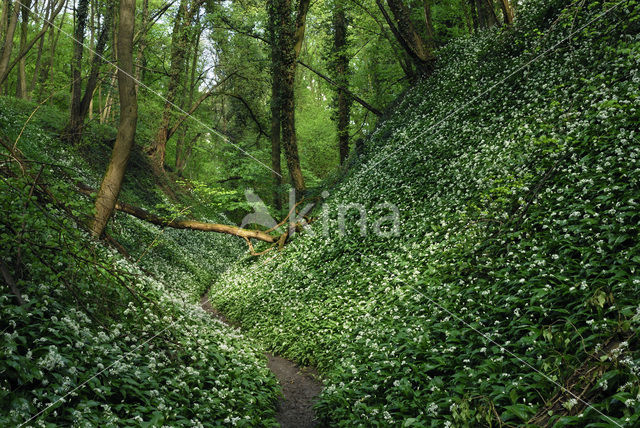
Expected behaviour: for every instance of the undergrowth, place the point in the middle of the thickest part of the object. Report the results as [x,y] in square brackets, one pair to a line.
[104,340]
[515,272]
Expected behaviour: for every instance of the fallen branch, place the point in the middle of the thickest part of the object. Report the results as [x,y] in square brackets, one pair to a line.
[185,224]
[253,251]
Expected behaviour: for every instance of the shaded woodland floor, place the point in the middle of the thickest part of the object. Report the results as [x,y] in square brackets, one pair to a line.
[299,385]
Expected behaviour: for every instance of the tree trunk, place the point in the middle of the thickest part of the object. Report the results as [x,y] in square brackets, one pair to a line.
[276,166]
[291,37]
[80,103]
[8,44]
[288,114]
[36,69]
[406,34]
[140,58]
[106,107]
[76,68]
[179,42]
[342,77]
[112,182]
[53,43]
[507,12]
[185,224]
[4,18]
[186,154]
[180,144]
[21,87]
[474,15]
[431,38]
[276,83]
[486,13]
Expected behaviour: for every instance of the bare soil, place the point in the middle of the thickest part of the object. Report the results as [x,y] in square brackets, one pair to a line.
[299,385]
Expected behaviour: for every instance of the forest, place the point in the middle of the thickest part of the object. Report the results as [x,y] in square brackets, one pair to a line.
[327,213]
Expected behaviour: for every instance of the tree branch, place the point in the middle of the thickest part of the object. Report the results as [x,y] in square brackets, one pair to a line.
[185,224]
[356,98]
[251,113]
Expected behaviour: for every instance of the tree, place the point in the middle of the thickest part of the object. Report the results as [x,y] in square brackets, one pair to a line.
[180,38]
[80,103]
[275,105]
[112,181]
[21,87]
[407,36]
[507,12]
[183,150]
[290,35]
[341,67]
[53,39]
[142,45]
[8,42]
[486,13]
[6,64]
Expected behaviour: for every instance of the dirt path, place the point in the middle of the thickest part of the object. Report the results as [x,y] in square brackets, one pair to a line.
[299,385]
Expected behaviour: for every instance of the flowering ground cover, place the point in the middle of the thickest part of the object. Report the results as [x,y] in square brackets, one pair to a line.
[515,168]
[102,340]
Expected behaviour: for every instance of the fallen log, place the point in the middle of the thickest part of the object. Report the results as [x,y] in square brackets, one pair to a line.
[185,224]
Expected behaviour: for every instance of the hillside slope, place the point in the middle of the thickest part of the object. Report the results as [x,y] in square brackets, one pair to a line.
[103,340]
[515,270]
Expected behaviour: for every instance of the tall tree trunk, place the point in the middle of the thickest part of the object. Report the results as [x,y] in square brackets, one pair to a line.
[96,62]
[276,77]
[4,18]
[76,67]
[406,34]
[53,43]
[507,12]
[36,70]
[474,15]
[179,42]
[431,38]
[21,87]
[140,58]
[180,144]
[186,154]
[486,13]
[8,44]
[81,103]
[106,108]
[112,181]
[276,166]
[286,43]
[291,38]
[288,108]
[342,77]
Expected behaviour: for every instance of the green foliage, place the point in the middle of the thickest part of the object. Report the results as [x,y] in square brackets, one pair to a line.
[517,264]
[107,341]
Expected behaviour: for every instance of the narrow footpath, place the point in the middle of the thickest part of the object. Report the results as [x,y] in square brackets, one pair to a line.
[299,385]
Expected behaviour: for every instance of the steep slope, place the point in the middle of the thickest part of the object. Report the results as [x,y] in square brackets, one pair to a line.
[514,272]
[101,340]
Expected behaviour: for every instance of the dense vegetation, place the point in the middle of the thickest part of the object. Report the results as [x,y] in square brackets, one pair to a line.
[472,254]
[515,272]
[104,340]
